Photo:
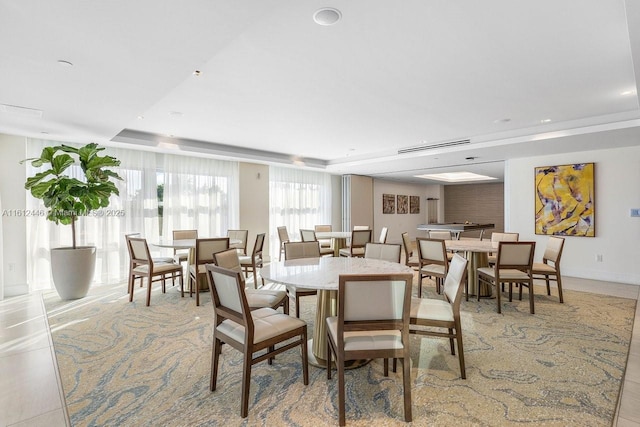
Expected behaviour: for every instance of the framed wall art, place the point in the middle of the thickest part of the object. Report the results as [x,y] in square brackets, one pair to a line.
[388,203]
[564,200]
[403,204]
[414,204]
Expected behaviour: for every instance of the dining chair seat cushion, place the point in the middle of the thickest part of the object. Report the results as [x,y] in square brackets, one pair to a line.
[365,340]
[413,260]
[180,257]
[263,297]
[354,251]
[433,269]
[542,268]
[432,309]
[267,323]
[325,243]
[157,268]
[202,269]
[506,274]
[163,259]
[248,260]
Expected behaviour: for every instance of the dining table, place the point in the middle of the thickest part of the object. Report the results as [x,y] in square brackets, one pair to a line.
[338,239]
[477,253]
[322,274]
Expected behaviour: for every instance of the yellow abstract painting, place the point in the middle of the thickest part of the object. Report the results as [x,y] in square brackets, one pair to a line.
[565,200]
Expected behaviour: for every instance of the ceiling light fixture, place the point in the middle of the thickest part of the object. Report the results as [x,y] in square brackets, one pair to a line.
[64,63]
[327,16]
[197,73]
[628,92]
[545,120]
[505,120]
[456,177]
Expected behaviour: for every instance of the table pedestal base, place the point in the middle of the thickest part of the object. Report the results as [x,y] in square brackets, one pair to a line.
[322,363]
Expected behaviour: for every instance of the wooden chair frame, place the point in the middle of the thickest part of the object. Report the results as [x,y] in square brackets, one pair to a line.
[203,256]
[432,256]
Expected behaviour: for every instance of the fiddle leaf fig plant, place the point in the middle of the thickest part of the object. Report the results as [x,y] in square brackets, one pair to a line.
[67,197]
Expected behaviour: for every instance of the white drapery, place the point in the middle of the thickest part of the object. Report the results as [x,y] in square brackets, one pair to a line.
[134,211]
[297,199]
[200,194]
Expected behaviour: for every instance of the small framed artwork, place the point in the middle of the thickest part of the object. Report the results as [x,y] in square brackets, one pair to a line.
[403,204]
[388,203]
[565,203]
[414,204]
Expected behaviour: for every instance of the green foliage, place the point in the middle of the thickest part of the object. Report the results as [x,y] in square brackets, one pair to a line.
[67,197]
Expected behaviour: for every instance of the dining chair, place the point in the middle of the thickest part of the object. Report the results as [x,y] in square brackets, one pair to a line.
[428,314]
[549,268]
[384,251]
[241,235]
[432,256]
[371,328]
[324,243]
[161,259]
[310,236]
[383,235]
[513,265]
[141,265]
[182,255]
[501,237]
[256,298]
[249,331]
[297,250]
[251,263]
[283,236]
[442,235]
[204,250]
[359,238]
[410,259]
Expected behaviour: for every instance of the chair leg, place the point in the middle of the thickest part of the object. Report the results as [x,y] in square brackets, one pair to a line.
[341,391]
[197,285]
[255,277]
[305,360]
[546,280]
[285,305]
[499,294]
[463,373]
[385,367]
[215,357]
[246,382]
[131,288]
[297,306]
[451,344]
[559,283]
[406,376]
[149,283]
[531,303]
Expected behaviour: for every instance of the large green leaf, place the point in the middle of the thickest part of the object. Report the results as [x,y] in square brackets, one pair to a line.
[60,163]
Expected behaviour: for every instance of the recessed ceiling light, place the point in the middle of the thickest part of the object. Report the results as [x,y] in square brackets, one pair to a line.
[140,117]
[628,92]
[327,16]
[456,177]
[65,63]
[545,120]
[197,72]
[505,120]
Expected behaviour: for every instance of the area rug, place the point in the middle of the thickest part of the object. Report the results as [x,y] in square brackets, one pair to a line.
[125,364]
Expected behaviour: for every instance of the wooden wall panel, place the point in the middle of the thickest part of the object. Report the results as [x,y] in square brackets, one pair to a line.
[478,203]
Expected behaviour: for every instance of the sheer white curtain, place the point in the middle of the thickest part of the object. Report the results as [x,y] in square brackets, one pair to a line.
[297,199]
[200,194]
[135,210]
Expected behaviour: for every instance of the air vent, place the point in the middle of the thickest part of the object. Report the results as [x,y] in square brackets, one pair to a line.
[434,146]
[20,111]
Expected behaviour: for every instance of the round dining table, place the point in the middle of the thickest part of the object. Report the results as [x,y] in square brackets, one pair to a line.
[338,239]
[322,274]
[477,253]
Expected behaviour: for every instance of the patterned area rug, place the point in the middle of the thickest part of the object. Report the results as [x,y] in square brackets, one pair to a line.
[125,364]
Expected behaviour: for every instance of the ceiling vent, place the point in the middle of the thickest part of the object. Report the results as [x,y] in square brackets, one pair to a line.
[20,111]
[434,146]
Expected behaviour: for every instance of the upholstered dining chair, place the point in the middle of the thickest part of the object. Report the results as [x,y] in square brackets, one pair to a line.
[205,248]
[249,331]
[160,259]
[310,236]
[359,238]
[371,328]
[442,235]
[432,256]
[324,243]
[410,259]
[549,269]
[256,298]
[501,237]
[513,265]
[182,255]
[429,314]
[142,266]
[283,237]
[296,250]
[251,263]
[384,251]
[243,236]
[383,235]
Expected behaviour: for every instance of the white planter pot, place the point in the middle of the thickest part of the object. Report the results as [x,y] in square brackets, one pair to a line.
[72,270]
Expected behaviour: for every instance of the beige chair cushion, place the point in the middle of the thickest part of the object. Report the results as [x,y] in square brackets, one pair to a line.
[163,259]
[247,259]
[506,274]
[157,268]
[542,268]
[263,297]
[267,322]
[356,251]
[433,269]
[432,309]
[365,340]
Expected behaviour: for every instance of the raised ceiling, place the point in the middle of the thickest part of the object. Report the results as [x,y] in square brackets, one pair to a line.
[513,78]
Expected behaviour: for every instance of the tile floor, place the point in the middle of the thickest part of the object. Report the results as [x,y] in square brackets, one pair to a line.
[31,392]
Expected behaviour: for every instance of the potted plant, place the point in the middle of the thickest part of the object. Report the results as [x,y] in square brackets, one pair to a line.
[69,198]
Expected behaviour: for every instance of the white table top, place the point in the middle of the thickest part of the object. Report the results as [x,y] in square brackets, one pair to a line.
[471,245]
[323,273]
[184,243]
[333,234]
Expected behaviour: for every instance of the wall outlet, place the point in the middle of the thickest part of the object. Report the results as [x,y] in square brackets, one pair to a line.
[12,266]
[599,258]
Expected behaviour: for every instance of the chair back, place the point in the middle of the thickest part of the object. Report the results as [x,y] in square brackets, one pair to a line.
[432,251]
[296,250]
[359,238]
[553,251]
[228,296]
[383,235]
[241,235]
[258,247]
[283,234]
[138,251]
[386,252]
[505,237]
[308,235]
[205,248]
[322,228]
[440,234]
[360,227]
[518,255]
[228,259]
[408,247]
[184,234]
[453,282]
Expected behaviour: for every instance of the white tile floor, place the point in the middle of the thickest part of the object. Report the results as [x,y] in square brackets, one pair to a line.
[31,392]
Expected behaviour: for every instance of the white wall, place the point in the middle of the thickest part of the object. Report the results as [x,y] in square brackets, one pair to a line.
[399,223]
[617,190]
[254,203]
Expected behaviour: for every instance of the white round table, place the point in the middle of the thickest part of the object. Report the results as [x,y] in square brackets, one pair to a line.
[323,275]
